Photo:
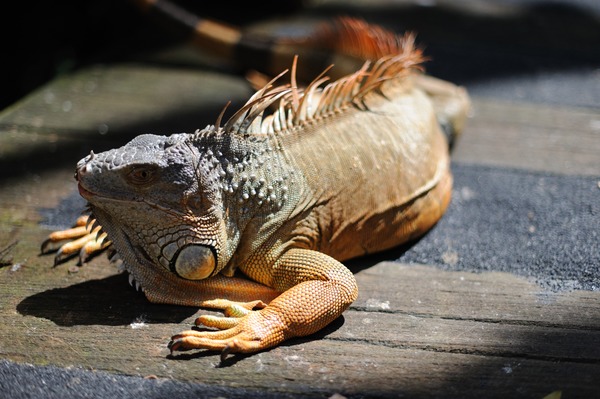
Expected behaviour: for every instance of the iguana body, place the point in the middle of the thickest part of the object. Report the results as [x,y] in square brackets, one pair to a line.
[358,166]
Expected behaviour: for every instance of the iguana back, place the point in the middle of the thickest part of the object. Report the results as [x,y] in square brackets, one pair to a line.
[369,169]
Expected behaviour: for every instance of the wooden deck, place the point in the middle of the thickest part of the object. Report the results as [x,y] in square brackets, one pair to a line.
[415,331]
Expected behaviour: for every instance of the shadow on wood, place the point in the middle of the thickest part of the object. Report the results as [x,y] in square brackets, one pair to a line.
[103,302]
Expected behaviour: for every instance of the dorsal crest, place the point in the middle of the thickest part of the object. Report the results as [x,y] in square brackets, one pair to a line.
[296,106]
[357,38]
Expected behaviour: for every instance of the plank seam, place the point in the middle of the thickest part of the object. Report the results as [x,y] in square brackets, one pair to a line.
[464,351]
[515,322]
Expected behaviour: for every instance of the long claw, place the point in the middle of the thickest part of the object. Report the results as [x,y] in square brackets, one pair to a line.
[61,256]
[225,352]
[175,345]
[92,247]
[85,238]
[47,246]
[83,256]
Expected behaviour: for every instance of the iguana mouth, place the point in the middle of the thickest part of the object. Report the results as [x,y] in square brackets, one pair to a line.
[84,193]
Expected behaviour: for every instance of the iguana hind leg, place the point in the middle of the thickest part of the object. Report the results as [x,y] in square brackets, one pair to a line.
[451,103]
[316,289]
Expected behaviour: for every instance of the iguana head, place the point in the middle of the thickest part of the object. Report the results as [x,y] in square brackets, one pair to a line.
[157,199]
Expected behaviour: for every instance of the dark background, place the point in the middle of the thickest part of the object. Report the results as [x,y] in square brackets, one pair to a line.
[471,43]
[43,39]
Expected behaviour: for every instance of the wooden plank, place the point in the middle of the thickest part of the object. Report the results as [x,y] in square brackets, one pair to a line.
[93,319]
[123,95]
[414,331]
[493,297]
[102,107]
[537,137]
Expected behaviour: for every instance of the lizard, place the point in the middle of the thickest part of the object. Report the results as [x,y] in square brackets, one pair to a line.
[254,216]
[343,42]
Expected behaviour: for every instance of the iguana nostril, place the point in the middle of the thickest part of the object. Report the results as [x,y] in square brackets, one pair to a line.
[84,166]
[195,262]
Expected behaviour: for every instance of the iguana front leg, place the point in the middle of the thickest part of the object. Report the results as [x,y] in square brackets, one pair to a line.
[85,238]
[316,289]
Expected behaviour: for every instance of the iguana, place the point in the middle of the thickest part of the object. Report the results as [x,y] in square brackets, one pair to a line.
[254,215]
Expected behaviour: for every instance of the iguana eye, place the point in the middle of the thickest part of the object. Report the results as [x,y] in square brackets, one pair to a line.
[141,175]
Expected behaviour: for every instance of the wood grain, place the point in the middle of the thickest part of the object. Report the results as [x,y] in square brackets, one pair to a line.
[415,330]
[530,136]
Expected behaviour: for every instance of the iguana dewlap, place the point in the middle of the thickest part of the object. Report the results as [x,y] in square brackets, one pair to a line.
[336,171]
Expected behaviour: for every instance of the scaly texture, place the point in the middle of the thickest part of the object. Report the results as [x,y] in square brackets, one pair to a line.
[297,180]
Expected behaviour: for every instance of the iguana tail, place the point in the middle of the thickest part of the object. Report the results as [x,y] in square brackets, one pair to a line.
[344,42]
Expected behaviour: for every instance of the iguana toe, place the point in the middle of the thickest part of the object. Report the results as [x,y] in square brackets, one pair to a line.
[222,323]
[188,340]
[233,308]
[61,256]
[237,344]
[234,313]
[84,238]
[250,333]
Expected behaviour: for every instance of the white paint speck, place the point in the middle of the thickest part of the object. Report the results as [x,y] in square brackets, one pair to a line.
[139,322]
[377,304]
[295,360]
[136,325]
[259,365]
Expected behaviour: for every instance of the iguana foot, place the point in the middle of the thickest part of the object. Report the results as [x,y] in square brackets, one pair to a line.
[84,238]
[241,330]
[254,331]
